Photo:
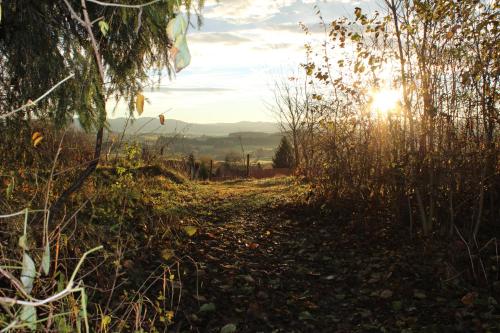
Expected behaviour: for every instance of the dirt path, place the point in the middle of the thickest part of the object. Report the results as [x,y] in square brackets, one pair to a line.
[265,267]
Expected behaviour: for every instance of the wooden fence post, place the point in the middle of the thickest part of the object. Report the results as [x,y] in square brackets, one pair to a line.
[248,165]
[211,169]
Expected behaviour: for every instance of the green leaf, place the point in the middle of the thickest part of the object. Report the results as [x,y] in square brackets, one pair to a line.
[104,26]
[46,259]
[10,188]
[176,27]
[83,311]
[190,230]
[28,316]
[305,315]
[397,305]
[208,307]
[28,273]
[167,254]
[356,37]
[23,242]
[419,294]
[181,54]
[229,328]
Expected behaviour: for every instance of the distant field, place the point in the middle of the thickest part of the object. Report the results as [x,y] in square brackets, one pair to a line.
[260,146]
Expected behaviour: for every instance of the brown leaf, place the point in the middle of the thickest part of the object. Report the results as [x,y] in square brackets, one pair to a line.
[386,294]
[253,246]
[469,298]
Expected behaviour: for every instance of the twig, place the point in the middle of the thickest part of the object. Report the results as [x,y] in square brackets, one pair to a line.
[22,212]
[108,4]
[66,291]
[38,99]
[468,250]
[15,282]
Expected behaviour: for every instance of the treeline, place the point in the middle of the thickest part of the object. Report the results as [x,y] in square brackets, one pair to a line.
[259,145]
[431,159]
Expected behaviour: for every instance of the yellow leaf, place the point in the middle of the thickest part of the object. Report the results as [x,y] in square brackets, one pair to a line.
[37,141]
[103,25]
[162,119]
[37,138]
[190,230]
[106,320]
[36,135]
[167,254]
[169,315]
[140,103]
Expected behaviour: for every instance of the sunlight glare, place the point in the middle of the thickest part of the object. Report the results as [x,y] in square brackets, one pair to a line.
[385,100]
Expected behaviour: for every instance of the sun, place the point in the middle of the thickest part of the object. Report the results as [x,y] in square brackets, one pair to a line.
[385,100]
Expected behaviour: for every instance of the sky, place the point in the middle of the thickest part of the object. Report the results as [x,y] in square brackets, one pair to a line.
[242,47]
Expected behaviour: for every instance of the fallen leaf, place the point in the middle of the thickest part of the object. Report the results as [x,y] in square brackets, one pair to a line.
[419,294]
[397,305]
[208,307]
[229,328]
[200,298]
[305,315]
[190,230]
[167,254]
[386,294]
[469,298]
[247,278]
[262,295]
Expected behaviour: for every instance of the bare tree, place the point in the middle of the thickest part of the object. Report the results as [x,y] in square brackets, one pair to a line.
[290,109]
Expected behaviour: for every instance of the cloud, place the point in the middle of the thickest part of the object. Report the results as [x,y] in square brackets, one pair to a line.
[218,37]
[275,46]
[241,48]
[187,89]
[245,11]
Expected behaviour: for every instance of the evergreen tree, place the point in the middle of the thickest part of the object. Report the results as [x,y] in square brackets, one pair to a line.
[203,172]
[101,51]
[283,158]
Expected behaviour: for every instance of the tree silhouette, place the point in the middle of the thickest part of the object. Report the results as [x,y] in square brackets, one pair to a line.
[283,158]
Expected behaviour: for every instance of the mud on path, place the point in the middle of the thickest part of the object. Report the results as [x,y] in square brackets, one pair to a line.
[266,265]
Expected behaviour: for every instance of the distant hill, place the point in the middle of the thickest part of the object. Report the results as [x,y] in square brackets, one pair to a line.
[152,125]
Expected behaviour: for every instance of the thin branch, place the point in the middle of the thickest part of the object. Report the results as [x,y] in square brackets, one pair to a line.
[88,25]
[38,99]
[108,4]
[74,14]
[66,291]
[15,282]
[22,212]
